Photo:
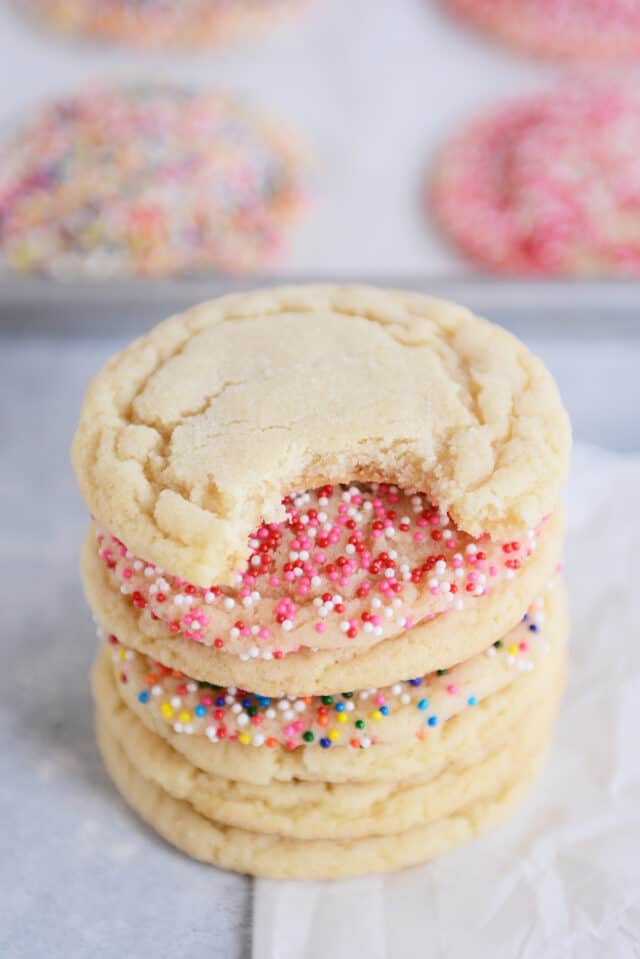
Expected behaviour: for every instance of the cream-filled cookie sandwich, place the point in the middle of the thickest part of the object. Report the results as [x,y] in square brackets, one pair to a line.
[319,513]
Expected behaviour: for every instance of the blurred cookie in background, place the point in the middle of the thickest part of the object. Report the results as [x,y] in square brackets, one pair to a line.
[151,181]
[163,23]
[559,29]
[546,186]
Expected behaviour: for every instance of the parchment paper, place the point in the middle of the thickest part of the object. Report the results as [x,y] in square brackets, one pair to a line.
[562,878]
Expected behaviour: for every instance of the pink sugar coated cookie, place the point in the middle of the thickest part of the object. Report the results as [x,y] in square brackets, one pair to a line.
[164,23]
[147,181]
[564,29]
[548,185]
[350,565]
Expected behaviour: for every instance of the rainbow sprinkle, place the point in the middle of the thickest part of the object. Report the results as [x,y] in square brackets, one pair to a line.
[353,719]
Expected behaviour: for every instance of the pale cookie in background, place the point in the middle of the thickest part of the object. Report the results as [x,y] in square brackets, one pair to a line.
[169,24]
[280,858]
[436,644]
[187,442]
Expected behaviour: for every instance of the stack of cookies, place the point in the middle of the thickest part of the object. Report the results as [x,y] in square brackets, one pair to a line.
[324,565]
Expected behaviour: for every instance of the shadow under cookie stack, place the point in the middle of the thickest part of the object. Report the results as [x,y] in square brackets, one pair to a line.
[324,565]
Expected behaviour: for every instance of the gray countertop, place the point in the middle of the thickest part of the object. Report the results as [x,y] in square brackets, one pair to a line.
[76,868]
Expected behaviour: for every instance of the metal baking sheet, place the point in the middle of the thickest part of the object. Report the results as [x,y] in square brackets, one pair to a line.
[582,308]
[587,332]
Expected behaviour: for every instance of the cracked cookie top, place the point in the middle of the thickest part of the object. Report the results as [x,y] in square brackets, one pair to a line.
[192,436]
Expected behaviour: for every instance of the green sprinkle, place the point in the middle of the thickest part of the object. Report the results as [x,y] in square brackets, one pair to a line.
[308,736]
[360,724]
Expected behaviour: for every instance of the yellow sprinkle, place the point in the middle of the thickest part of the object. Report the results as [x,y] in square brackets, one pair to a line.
[122,654]
[376,714]
[513,650]
[185,716]
[333,735]
[343,718]
[167,710]
[244,738]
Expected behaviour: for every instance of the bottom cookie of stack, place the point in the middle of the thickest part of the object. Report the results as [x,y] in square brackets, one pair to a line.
[406,802]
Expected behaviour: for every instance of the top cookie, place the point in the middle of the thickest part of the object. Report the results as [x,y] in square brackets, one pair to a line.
[195,433]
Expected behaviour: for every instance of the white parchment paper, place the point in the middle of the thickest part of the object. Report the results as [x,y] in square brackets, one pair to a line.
[562,878]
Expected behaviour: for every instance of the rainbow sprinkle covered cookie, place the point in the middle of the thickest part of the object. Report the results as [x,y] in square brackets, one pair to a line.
[167,24]
[147,181]
[324,564]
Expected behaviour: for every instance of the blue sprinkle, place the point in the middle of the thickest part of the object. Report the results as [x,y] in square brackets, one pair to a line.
[525,617]
[264,701]
[384,710]
[247,702]
[144,696]
[533,628]
[219,700]
[340,707]
[432,720]
[472,701]
[200,711]
[423,704]
[325,743]
[416,682]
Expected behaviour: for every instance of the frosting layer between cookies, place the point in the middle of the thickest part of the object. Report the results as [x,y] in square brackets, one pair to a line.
[349,566]
[356,719]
